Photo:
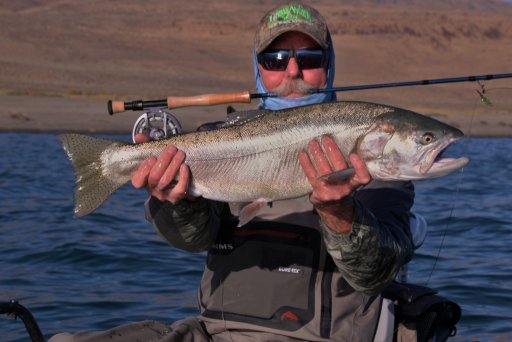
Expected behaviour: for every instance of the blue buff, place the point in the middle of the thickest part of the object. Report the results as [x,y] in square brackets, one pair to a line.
[276,103]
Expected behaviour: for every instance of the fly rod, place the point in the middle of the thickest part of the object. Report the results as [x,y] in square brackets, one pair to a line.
[246,97]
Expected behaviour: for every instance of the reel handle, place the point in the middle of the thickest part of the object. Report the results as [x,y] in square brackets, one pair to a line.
[180,101]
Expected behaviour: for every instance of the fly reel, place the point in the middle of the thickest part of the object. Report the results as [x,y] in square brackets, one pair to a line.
[157,124]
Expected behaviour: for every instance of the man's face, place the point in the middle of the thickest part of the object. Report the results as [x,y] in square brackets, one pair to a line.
[294,81]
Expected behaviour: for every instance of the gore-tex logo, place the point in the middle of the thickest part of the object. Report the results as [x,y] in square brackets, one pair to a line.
[293,270]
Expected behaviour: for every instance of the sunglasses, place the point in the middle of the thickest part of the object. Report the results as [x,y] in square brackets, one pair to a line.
[277,60]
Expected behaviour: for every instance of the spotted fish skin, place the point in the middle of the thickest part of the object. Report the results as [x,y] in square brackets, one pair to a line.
[257,160]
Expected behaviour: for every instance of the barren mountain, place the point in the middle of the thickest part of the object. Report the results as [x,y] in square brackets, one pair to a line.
[67,57]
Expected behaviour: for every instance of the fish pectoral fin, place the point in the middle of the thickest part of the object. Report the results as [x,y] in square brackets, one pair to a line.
[338,176]
[248,211]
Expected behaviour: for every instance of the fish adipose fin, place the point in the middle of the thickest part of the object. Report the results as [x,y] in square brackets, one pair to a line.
[338,176]
[92,186]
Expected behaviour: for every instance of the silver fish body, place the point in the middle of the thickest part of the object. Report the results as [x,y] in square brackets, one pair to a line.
[257,160]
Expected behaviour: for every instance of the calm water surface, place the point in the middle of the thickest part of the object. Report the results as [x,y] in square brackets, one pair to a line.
[111,267]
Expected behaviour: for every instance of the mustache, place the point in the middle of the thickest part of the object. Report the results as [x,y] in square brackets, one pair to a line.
[297,86]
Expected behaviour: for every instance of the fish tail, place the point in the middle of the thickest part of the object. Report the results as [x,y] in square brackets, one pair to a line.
[93,186]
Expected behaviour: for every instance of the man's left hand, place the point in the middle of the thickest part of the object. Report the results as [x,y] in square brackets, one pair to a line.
[325,157]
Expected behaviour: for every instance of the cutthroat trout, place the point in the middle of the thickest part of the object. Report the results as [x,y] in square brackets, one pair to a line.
[255,161]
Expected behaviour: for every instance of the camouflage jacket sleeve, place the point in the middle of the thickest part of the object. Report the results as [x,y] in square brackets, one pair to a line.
[380,242]
[191,226]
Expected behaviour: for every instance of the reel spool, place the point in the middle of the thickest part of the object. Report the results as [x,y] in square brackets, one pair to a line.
[157,124]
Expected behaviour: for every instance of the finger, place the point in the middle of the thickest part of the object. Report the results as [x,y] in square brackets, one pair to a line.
[333,153]
[183,180]
[362,175]
[172,170]
[141,138]
[322,164]
[179,191]
[160,166]
[307,166]
[140,176]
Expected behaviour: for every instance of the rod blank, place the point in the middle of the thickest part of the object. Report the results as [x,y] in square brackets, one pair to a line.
[415,83]
[246,97]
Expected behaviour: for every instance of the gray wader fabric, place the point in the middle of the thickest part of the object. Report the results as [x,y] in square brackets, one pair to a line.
[186,330]
[277,276]
[307,297]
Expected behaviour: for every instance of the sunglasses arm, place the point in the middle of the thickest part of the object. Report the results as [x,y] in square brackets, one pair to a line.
[181,101]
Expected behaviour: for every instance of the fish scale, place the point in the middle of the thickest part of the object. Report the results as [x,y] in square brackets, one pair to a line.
[256,160]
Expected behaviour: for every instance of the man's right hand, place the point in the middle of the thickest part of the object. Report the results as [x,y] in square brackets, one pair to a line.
[158,175]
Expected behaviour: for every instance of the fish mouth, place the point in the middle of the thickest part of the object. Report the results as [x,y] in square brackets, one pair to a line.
[435,165]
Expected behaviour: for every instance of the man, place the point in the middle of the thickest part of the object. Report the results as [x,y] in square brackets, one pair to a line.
[303,269]
[367,237]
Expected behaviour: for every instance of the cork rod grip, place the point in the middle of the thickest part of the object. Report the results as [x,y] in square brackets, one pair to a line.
[115,107]
[208,99]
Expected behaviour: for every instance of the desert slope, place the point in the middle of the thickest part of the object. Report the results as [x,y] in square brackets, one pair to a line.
[61,60]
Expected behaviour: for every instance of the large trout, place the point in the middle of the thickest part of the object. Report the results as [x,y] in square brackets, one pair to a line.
[256,160]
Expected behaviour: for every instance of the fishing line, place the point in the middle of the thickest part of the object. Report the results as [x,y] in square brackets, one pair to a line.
[441,244]
[486,101]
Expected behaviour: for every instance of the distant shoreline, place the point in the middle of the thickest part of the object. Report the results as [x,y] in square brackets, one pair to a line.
[61,61]
[43,114]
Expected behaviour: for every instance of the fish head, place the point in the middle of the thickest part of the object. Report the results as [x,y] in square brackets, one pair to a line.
[403,145]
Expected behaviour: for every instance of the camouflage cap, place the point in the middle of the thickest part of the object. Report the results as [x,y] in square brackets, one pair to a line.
[291,17]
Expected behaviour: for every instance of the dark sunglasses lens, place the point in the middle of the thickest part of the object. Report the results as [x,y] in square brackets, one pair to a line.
[274,60]
[310,59]
[278,60]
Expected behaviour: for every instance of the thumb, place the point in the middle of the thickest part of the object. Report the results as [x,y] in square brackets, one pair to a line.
[141,138]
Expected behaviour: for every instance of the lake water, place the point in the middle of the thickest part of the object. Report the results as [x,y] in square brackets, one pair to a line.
[111,267]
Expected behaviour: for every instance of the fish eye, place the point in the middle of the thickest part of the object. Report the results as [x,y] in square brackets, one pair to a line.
[427,138]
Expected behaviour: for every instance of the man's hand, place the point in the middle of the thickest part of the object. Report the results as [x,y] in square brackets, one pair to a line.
[328,198]
[158,175]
